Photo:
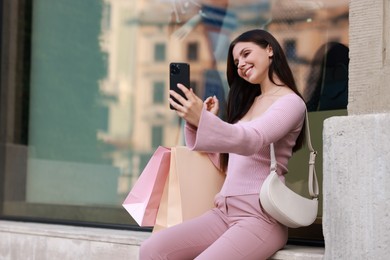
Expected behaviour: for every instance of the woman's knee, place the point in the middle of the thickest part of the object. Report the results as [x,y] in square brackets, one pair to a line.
[143,251]
[146,250]
[155,247]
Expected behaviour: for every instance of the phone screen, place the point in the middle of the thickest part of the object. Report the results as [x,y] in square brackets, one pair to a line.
[179,73]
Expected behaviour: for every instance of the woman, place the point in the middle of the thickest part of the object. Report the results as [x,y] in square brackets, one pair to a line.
[264,107]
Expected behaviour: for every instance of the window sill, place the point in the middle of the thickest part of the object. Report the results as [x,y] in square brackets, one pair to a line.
[48,241]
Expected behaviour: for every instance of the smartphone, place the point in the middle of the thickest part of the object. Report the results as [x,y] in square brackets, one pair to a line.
[179,72]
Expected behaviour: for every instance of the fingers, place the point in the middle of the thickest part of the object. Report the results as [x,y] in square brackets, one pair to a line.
[208,100]
[190,96]
[187,92]
[216,101]
[189,107]
[176,100]
[179,99]
[175,105]
[212,104]
[211,100]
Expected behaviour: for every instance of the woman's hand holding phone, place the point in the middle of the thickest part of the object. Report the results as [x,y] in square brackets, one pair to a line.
[189,107]
[183,99]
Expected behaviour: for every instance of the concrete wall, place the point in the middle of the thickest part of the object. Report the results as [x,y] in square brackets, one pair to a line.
[369,67]
[356,187]
[356,170]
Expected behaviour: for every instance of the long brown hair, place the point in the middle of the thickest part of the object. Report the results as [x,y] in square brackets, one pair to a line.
[242,93]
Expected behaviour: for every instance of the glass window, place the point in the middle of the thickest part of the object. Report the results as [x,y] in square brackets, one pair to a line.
[89,103]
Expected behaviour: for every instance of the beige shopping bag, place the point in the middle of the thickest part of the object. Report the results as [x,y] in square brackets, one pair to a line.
[190,188]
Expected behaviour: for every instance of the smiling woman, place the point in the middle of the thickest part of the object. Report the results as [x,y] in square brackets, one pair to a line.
[242,144]
[252,62]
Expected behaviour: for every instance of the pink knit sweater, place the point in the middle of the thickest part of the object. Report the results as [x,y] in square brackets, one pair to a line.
[248,143]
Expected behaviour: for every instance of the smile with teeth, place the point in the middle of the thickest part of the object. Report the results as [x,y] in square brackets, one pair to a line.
[247,71]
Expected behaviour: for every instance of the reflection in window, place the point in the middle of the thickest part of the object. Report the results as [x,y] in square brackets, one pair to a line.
[159,52]
[158,92]
[194,85]
[157,136]
[192,52]
[290,49]
[327,83]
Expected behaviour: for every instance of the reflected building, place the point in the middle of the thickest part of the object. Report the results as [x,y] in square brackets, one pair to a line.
[141,38]
[303,26]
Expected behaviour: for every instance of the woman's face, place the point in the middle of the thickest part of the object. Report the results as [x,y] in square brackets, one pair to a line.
[252,61]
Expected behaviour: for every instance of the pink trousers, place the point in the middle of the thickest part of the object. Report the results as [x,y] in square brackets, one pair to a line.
[236,229]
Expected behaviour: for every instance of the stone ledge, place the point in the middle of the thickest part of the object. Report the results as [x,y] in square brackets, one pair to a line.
[74,232]
[48,241]
[292,252]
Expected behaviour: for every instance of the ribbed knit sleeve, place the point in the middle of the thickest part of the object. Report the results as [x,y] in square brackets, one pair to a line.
[190,137]
[248,143]
[246,138]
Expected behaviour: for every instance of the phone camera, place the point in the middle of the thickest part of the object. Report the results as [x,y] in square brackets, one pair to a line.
[175,69]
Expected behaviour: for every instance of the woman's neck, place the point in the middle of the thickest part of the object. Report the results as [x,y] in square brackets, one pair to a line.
[268,87]
[271,90]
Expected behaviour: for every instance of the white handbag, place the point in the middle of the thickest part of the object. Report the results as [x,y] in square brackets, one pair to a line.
[283,204]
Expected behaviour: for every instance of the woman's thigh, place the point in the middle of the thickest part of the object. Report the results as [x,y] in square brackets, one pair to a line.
[247,239]
[253,234]
[186,240]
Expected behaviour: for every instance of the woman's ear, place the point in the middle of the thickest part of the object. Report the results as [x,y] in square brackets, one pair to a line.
[270,51]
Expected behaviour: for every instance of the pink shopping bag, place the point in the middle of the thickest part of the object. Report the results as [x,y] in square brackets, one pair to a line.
[143,200]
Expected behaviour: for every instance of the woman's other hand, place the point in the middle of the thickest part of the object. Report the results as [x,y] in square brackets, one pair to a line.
[212,105]
[189,109]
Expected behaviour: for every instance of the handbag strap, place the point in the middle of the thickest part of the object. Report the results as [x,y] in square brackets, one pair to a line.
[313,181]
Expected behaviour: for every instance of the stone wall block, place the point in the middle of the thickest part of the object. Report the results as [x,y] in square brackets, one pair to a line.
[356,184]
